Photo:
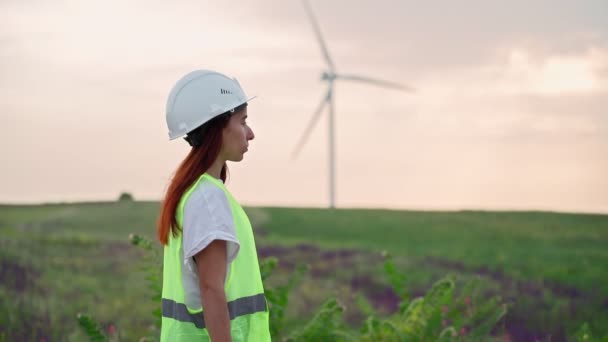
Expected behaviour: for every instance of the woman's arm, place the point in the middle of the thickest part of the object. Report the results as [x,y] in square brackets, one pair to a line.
[211,267]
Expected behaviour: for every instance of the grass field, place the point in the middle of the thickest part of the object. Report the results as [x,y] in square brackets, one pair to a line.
[61,259]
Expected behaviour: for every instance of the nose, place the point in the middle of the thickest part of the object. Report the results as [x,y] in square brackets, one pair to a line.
[250,135]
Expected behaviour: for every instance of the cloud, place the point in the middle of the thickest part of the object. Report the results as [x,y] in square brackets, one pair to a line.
[518,98]
[418,37]
[556,75]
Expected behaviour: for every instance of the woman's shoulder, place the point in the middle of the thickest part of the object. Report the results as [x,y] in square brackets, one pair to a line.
[207,190]
[207,194]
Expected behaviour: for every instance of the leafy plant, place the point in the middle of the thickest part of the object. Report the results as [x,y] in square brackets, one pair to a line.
[278,297]
[326,325]
[584,335]
[436,316]
[91,328]
[152,267]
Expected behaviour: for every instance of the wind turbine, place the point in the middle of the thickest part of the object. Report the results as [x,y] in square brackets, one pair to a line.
[330,76]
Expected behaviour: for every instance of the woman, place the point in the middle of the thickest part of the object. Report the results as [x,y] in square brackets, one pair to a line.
[212,288]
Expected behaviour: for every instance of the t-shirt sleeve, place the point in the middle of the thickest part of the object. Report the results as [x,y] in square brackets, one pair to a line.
[208,217]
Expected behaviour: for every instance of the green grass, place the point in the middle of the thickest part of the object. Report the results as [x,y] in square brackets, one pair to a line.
[80,260]
[561,257]
[566,248]
[77,259]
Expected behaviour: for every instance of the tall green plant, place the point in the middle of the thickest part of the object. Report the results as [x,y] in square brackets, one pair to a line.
[326,325]
[278,297]
[584,334]
[153,270]
[436,316]
[91,328]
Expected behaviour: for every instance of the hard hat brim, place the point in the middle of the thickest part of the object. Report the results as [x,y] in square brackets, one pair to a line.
[182,134]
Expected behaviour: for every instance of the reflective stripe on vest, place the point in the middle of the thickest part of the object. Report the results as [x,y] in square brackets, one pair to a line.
[236,308]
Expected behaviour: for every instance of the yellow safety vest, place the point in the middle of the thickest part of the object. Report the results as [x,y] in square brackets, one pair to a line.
[244,290]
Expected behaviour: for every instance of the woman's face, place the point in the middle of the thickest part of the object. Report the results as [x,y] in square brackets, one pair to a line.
[236,136]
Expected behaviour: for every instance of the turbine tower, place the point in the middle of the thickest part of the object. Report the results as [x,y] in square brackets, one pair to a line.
[330,75]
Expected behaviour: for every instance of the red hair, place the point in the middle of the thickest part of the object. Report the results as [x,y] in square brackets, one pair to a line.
[207,142]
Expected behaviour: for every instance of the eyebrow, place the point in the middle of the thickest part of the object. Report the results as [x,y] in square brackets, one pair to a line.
[245,117]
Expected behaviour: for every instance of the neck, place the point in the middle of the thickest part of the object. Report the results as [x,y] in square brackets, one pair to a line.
[215,170]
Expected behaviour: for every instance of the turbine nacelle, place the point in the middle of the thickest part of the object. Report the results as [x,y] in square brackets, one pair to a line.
[328,76]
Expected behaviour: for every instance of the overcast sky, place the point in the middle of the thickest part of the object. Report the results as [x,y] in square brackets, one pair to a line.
[511,110]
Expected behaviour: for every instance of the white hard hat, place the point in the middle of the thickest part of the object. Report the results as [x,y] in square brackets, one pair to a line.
[200,96]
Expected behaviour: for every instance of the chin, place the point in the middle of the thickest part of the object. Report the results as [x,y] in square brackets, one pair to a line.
[237,159]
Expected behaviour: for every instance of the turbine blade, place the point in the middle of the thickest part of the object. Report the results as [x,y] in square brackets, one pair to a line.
[311,124]
[381,83]
[317,29]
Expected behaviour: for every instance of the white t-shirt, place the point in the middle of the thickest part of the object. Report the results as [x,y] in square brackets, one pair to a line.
[207,217]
